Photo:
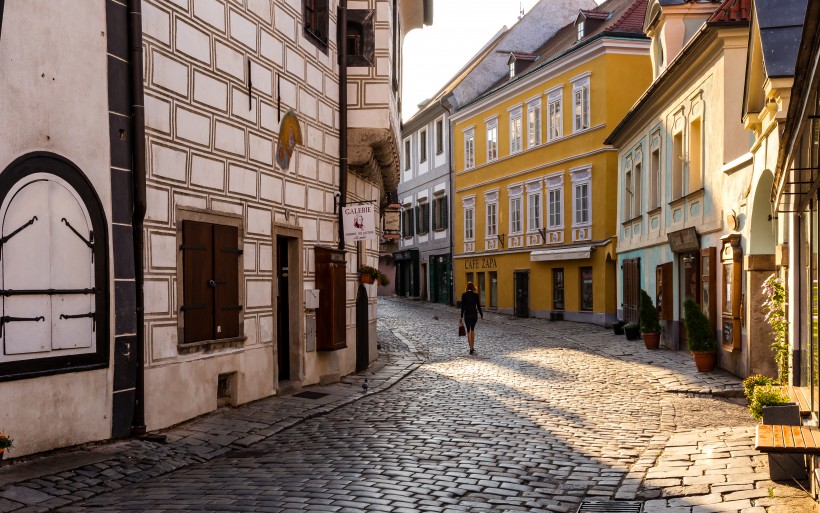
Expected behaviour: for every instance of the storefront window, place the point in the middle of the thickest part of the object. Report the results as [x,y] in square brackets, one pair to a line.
[482,288]
[493,289]
[586,288]
[558,289]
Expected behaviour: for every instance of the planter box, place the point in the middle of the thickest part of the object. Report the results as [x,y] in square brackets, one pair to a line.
[783,467]
[632,333]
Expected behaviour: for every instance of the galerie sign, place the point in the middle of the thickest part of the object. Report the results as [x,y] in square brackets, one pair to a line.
[360,222]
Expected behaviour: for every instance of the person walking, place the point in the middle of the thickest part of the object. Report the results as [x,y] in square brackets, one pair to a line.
[470,310]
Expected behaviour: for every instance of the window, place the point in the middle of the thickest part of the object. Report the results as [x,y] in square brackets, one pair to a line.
[586,288]
[628,191]
[637,200]
[407,155]
[492,140]
[469,224]
[655,179]
[677,166]
[534,211]
[554,206]
[554,130]
[439,136]
[423,217]
[407,221]
[315,17]
[515,215]
[441,215]
[55,247]
[492,219]
[580,30]
[580,100]
[558,289]
[534,124]
[512,68]
[582,203]
[360,38]
[695,156]
[210,281]
[469,149]
[516,135]
[423,145]
[493,289]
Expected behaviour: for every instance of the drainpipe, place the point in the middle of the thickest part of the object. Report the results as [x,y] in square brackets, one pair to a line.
[445,102]
[135,61]
[342,50]
[2,5]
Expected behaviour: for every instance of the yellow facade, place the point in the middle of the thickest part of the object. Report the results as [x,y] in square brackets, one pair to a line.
[553,172]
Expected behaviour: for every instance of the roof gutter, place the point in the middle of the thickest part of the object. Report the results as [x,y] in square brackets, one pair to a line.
[135,62]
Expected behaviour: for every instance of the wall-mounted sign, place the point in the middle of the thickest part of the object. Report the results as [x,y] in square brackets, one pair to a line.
[290,134]
[360,222]
[684,240]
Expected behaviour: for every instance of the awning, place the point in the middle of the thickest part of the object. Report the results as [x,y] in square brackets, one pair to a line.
[552,255]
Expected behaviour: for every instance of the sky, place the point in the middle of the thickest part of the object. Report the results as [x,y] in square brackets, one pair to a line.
[434,54]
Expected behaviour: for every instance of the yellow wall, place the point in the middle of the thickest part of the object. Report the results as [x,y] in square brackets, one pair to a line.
[616,81]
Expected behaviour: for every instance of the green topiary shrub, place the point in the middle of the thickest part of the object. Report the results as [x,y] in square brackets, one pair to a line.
[750,383]
[699,334]
[765,396]
[648,315]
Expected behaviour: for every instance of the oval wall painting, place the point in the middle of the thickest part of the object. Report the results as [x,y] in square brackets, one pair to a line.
[290,134]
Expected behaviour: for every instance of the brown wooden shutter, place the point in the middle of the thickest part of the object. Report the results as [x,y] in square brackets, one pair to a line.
[443,213]
[227,310]
[631,292]
[197,270]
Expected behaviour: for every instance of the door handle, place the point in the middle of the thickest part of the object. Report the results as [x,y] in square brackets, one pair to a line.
[211,283]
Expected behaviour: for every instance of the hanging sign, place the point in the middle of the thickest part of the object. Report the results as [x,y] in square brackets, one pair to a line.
[360,222]
[289,136]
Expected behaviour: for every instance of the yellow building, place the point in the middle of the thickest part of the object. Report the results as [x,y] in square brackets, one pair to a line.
[535,187]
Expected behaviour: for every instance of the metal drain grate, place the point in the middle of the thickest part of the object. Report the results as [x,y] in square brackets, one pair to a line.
[310,395]
[610,507]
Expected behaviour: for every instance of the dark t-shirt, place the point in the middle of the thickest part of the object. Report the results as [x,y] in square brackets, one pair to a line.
[470,305]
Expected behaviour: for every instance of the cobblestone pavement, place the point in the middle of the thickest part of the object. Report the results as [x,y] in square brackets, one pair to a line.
[543,417]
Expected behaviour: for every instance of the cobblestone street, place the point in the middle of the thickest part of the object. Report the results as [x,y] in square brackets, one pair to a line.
[544,417]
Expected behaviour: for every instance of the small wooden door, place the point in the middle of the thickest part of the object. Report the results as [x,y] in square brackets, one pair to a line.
[522,293]
[282,309]
[362,330]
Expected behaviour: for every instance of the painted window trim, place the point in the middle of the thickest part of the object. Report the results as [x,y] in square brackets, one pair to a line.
[534,106]
[516,192]
[556,96]
[530,195]
[581,176]
[516,142]
[491,125]
[423,146]
[440,134]
[469,153]
[581,84]
[408,154]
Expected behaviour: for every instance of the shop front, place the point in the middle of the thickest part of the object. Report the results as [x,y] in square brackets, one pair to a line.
[407,273]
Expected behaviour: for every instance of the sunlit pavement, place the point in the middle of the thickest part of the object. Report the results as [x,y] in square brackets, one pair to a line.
[544,417]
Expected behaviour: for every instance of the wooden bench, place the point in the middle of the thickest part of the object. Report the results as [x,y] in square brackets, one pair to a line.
[787,439]
[800,396]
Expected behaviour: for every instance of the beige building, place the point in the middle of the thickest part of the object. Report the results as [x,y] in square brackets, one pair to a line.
[249,149]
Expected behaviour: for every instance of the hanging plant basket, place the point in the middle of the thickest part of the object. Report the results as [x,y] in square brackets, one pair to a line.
[366,278]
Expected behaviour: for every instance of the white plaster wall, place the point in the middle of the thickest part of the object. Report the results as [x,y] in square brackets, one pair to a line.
[54,98]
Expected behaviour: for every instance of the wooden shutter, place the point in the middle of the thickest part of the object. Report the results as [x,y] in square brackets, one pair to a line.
[425,217]
[197,270]
[227,310]
[666,292]
[443,213]
[414,221]
[331,281]
[631,292]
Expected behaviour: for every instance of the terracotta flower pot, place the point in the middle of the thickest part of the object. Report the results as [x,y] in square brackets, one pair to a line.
[651,340]
[705,361]
[366,278]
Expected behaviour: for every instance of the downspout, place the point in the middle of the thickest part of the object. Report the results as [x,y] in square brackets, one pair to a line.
[135,61]
[445,102]
[342,50]
[2,6]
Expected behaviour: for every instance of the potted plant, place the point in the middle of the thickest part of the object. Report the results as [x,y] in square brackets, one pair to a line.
[368,274]
[632,331]
[769,405]
[752,382]
[6,444]
[383,280]
[700,338]
[649,321]
[618,327]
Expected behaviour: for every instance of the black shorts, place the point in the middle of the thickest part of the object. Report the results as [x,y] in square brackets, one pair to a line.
[470,322]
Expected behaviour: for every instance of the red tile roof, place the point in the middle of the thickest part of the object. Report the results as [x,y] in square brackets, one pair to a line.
[632,19]
[732,11]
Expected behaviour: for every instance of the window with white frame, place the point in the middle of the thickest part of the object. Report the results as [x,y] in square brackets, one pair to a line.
[555,203]
[492,140]
[423,145]
[533,123]
[554,129]
[491,211]
[534,211]
[580,30]
[580,104]
[407,154]
[581,196]
[628,189]
[439,136]
[469,223]
[637,180]
[515,193]
[469,148]
[516,131]
[655,173]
